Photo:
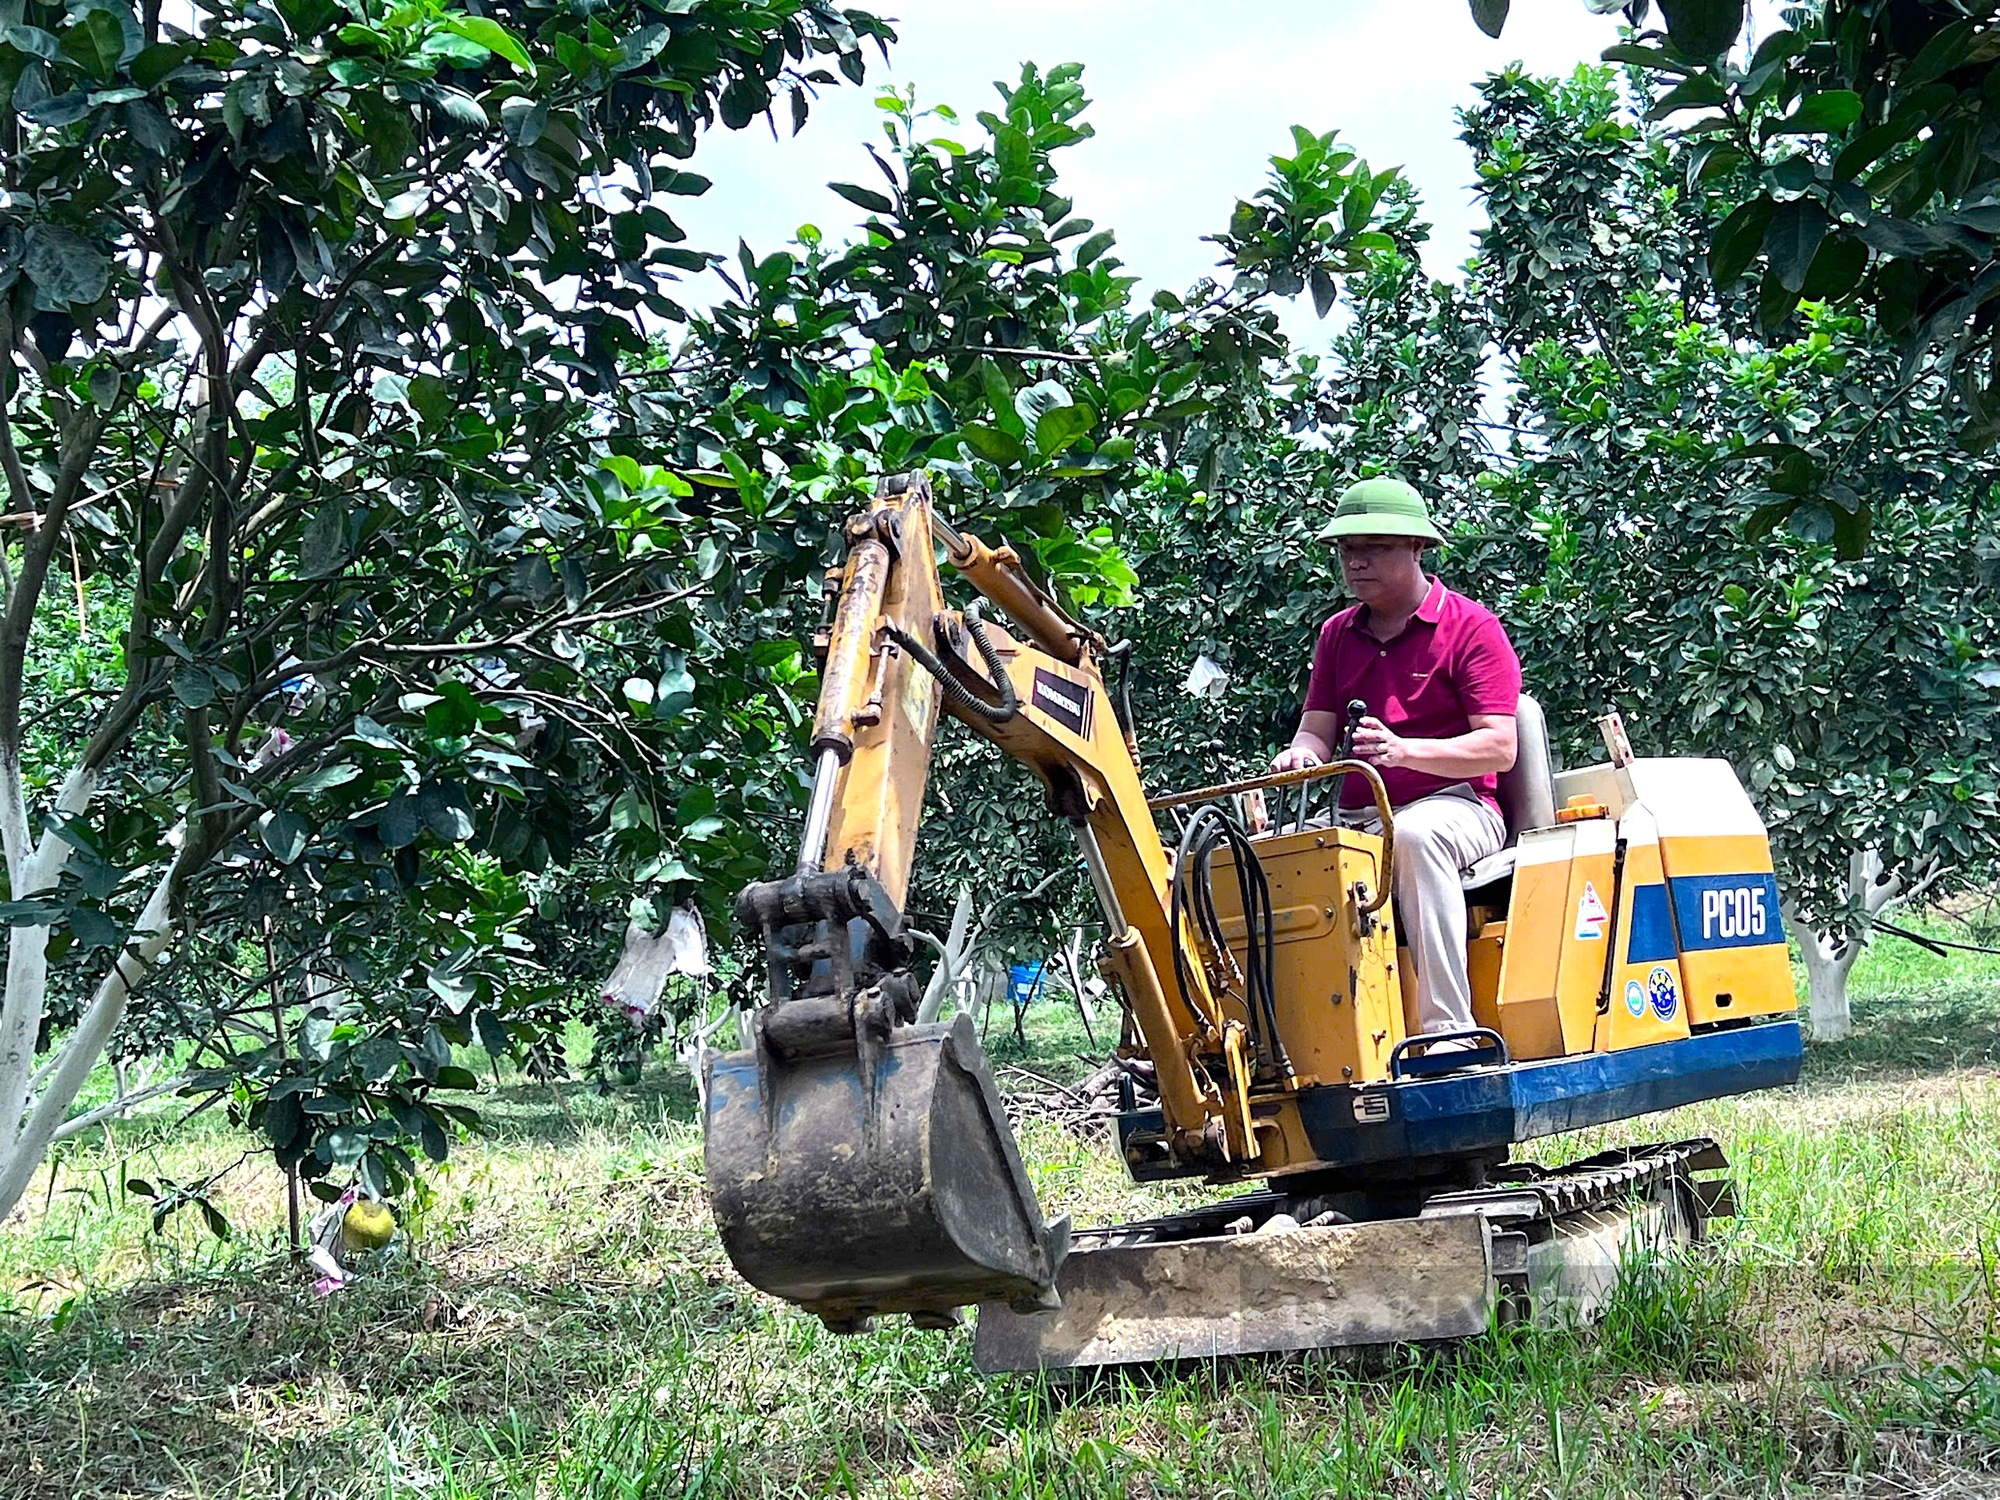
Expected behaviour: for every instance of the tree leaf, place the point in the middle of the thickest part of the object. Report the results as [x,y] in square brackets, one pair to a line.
[676,688]
[94,930]
[1323,289]
[193,686]
[1703,28]
[1095,246]
[210,1214]
[282,1119]
[443,808]
[1697,91]
[1792,240]
[1057,428]
[323,548]
[999,392]
[1827,112]
[32,40]
[285,834]
[456,989]
[524,120]
[1042,397]
[992,444]
[1490,16]
[65,109]
[378,1059]
[1836,269]
[67,270]
[277,262]
[493,37]
[371,733]
[645,44]
[345,1145]
[398,823]
[1737,238]
[95,41]
[862,197]
[1656,59]
[325,778]
[629,810]
[459,107]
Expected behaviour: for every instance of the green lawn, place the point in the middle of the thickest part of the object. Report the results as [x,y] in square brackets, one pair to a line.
[568,1327]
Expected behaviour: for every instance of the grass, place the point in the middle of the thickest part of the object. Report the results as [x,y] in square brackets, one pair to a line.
[567,1327]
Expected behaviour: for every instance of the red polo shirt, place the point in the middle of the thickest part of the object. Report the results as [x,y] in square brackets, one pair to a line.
[1451,660]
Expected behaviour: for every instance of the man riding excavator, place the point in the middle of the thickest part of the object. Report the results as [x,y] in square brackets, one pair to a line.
[1442,669]
[1620,948]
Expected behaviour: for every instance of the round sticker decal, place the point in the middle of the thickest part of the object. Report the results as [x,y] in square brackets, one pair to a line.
[1663,992]
[1635,997]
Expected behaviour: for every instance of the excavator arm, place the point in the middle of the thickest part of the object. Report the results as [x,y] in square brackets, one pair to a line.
[859,1161]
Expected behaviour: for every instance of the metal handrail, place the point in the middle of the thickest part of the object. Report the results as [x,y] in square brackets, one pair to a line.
[1373,777]
[1399,1062]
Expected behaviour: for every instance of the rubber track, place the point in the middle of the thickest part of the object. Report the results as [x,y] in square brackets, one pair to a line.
[1598,1181]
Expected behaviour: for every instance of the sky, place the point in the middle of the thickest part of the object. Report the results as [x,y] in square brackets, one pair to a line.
[1190,97]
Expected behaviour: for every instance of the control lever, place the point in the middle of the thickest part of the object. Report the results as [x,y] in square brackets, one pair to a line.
[1356,712]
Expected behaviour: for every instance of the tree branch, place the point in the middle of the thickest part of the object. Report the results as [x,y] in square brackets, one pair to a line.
[117,1107]
[78,446]
[556,621]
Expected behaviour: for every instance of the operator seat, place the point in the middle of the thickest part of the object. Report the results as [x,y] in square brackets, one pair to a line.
[1527,793]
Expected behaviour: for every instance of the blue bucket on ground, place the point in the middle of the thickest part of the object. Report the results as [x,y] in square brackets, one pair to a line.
[1024,982]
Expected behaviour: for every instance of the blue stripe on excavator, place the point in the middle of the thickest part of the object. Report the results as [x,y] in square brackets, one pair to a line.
[1482,1110]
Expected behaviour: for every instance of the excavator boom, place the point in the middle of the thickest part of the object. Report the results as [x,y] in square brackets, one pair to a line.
[859,1161]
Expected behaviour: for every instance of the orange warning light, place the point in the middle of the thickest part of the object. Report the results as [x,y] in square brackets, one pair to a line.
[1580,808]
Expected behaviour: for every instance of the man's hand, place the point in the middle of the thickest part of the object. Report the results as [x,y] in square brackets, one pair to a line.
[1379,745]
[1294,758]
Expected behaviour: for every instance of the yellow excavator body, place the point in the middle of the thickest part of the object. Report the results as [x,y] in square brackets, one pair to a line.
[1623,953]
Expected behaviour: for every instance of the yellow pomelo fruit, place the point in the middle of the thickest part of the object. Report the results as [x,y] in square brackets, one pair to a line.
[367,1226]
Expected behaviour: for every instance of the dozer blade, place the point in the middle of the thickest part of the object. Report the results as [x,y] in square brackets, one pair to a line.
[1324,1288]
[1552,1248]
[857,1169]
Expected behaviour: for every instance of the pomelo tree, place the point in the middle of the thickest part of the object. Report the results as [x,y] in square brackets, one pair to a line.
[311,328]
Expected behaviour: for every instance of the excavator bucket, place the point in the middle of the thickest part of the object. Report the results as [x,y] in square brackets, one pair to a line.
[858,1167]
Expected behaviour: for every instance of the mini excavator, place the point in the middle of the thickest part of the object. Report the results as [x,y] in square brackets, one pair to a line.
[1625,950]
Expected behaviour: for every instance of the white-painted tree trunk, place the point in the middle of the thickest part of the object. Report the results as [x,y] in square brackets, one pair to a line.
[1830,954]
[32,870]
[954,953]
[1828,958]
[21,1154]
[35,1101]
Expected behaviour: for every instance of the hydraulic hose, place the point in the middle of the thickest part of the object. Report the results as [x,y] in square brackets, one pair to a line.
[1007,703]
[1194,893]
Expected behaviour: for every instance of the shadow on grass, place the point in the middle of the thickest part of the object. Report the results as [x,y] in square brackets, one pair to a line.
[524,1111]
[548,1380]
[1916,1033]
[243,1382]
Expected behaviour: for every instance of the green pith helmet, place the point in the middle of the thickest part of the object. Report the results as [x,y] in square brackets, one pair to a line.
[1380,507]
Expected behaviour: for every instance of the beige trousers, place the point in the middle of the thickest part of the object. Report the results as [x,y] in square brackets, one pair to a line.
[1438,838]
